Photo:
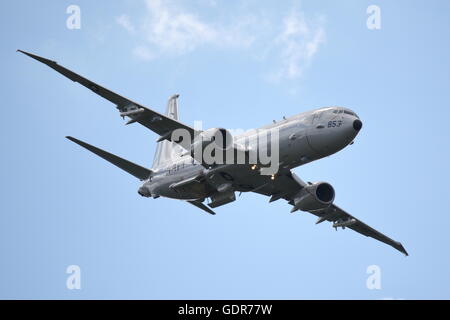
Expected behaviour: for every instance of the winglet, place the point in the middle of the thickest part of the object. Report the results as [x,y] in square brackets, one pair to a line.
[400,248]
[35,57]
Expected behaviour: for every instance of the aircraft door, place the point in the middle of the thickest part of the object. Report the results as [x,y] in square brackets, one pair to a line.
[298,151]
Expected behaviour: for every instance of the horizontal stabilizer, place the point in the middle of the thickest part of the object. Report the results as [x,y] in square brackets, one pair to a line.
[130,167]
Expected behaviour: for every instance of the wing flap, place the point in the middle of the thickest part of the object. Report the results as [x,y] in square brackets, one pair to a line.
[201,206]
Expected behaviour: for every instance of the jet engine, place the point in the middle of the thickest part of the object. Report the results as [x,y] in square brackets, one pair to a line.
[221,137]
[314,196]
[211,143]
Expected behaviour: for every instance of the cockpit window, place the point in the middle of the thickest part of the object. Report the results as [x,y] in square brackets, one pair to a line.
[350,113]
[342,110]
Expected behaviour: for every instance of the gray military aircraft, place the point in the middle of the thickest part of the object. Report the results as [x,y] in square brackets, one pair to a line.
[178,172]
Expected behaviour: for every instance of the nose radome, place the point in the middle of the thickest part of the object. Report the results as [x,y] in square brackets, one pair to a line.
[144,192]
[357,124]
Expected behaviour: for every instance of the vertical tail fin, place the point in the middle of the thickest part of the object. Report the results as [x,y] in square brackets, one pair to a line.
[166,151]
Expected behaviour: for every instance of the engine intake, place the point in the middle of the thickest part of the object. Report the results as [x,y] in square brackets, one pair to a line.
[316,196]
[210,145]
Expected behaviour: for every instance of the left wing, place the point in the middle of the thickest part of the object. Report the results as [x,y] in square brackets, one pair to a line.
[288,184]
[160,124]
[339,217]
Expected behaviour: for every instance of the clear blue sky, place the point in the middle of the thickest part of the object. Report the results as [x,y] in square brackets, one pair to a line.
[236,65]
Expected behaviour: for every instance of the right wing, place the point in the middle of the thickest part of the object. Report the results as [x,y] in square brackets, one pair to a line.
[153,120]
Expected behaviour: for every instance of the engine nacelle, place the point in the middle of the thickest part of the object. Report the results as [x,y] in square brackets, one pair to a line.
[220,198]
[221,137]
[315,196]
[211,144]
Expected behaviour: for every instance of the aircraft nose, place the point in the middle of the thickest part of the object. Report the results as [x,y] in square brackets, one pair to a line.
[144,192]
[357,125]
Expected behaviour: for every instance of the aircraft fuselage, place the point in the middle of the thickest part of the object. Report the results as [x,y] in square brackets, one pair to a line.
[303,138]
